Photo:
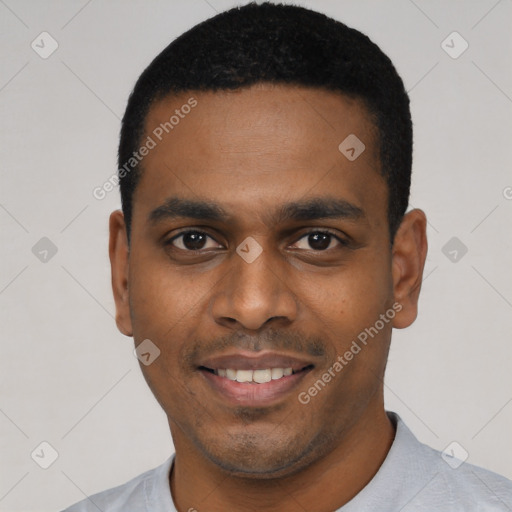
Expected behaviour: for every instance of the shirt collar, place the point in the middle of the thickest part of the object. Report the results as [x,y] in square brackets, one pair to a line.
[407,468]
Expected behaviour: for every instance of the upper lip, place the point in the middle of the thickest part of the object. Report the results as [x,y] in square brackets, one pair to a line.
[245,360]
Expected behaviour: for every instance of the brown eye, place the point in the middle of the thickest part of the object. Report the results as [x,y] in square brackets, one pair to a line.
[320,240]
[191,241]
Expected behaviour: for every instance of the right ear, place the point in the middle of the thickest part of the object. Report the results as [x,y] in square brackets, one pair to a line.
[119,255]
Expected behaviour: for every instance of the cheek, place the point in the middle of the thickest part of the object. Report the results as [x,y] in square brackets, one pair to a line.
[354,296]
[166,306]
[162,301]
[163,312]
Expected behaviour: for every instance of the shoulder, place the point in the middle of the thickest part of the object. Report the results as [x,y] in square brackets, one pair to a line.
[417,478]
[445,482]
[466,486]
[135,495]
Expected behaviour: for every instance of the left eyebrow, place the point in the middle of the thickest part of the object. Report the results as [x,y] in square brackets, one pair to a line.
[305,210]
[318,208]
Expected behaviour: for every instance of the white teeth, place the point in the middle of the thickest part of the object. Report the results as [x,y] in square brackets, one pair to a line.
[261,376]
[277,373]
[257,376]
[244,375]
[231,374]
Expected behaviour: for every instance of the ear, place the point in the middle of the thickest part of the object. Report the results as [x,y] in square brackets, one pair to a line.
[119,259]
[408,260]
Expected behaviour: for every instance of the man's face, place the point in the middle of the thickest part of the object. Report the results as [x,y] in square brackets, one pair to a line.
[323,276]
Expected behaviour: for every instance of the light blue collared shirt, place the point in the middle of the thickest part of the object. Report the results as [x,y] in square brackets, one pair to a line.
[412,478]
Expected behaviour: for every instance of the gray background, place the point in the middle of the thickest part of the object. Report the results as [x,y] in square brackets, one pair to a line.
[69,378]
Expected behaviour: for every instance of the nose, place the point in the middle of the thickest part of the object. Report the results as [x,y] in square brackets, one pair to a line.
[252,294]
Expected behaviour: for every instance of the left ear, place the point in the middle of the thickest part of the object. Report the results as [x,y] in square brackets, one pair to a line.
[408,260]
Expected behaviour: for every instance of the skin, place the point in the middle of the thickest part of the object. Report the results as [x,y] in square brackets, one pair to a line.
[250,151]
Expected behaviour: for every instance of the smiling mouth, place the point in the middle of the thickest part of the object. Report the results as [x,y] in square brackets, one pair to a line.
[256,376]
[245,378]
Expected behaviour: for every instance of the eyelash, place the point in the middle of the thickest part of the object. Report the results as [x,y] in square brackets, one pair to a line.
[168,242]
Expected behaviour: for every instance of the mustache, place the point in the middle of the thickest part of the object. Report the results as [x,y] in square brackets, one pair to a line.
[271,339]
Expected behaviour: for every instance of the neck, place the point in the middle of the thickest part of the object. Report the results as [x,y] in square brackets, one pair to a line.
[326,484]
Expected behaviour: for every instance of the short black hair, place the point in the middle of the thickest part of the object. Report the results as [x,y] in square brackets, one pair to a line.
[280,44]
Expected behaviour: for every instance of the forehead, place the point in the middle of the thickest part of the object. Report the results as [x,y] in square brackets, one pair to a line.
[256,147]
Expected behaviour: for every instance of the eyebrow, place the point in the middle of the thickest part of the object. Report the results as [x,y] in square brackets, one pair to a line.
[302,210]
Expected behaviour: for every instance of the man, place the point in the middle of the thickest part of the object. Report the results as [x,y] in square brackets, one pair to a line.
[262,257]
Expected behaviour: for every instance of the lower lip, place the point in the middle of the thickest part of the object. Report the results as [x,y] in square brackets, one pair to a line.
[253,394]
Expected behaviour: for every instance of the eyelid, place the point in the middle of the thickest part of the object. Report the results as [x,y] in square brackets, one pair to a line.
[326,231]
[184,231]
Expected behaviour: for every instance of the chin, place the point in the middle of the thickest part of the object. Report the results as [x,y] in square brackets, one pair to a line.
[262,458]
[255,469]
